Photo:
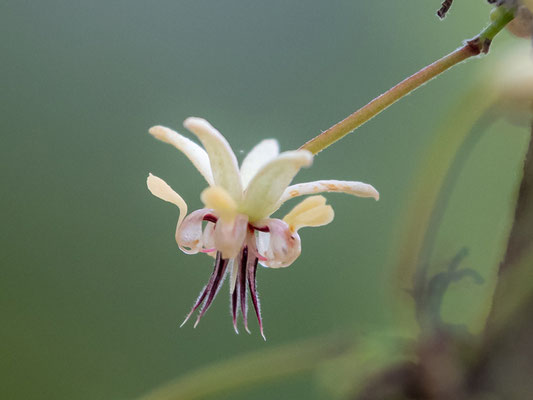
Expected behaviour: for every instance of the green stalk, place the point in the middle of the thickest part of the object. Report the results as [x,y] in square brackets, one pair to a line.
[480,44]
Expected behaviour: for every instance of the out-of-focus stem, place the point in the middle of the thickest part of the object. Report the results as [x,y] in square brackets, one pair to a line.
[252,368]
[423,211]
[472,48]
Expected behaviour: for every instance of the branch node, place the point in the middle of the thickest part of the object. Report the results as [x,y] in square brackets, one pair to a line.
[478,46]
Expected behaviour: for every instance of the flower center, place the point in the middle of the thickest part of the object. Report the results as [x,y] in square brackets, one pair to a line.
[212,218]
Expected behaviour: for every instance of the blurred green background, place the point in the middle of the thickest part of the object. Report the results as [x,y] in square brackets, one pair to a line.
[92,285]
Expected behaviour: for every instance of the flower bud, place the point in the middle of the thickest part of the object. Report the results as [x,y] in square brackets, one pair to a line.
[514,74]
[522,24]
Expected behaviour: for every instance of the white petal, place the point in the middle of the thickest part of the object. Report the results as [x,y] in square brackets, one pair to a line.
[160,188]
[281,246]
[266,187]
[358,189]
[208,239]
[261,154]
[223,161]
[312,211]
[230,235]
[190,236]
[194,152]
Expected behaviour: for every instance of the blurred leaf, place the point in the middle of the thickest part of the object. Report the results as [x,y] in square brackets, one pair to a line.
[427,198]
[452,293]
[250,369]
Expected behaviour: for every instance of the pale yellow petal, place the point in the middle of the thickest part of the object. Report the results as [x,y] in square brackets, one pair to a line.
[312,212]
[220,200]
[308,204]
[161,189]
[261,154]
[266,187]
[194,152]
[223,161]
[358,189]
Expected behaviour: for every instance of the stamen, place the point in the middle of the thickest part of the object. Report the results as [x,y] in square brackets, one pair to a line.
[253,248]
[260,257]
[252,269]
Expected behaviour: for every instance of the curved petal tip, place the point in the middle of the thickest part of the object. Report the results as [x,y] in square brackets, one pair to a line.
[159,132]
[196,122]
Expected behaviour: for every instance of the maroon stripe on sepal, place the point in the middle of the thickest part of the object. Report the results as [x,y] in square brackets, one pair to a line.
[220,269]
[234,308]
[252,269]
[205,290]
[242,288]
